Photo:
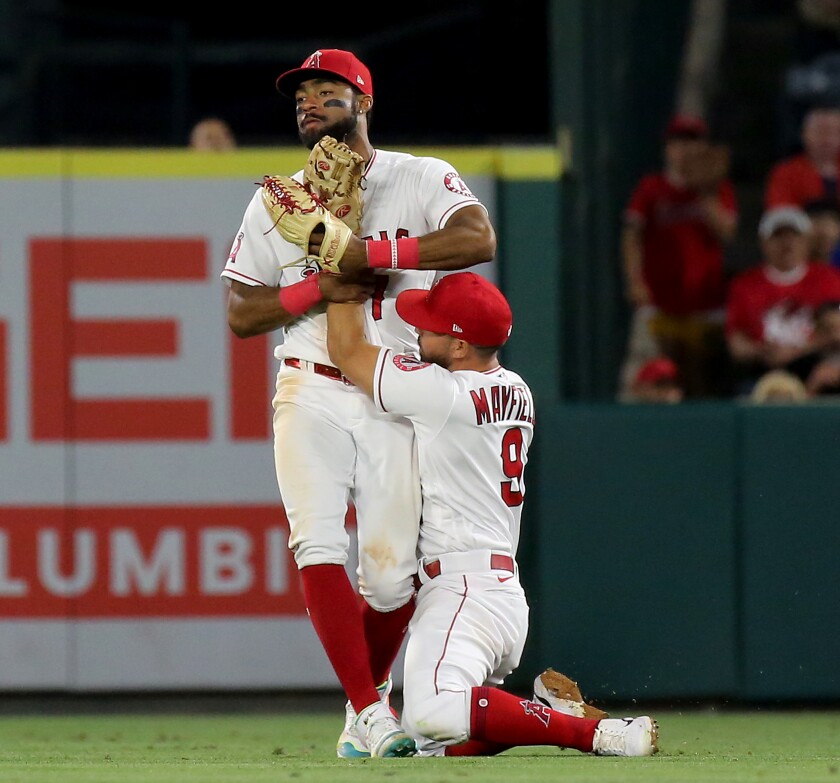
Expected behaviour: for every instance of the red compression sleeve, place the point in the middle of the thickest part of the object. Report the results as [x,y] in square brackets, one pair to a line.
[298,298]
[333,609]
[393,253]
[501,718]
[384,632]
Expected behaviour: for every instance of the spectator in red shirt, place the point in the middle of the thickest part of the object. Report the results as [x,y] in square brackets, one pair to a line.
[677,224]
[770,307]
[812,174]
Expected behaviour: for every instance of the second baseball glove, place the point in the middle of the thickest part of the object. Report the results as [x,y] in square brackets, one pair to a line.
[333,173]
[297,215]
[562,693]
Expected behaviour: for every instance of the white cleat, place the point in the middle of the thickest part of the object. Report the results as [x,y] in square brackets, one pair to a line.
[384,736]
[351,744]
[626,737]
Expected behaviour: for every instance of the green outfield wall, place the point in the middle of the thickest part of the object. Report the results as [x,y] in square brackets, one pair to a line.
[687,552]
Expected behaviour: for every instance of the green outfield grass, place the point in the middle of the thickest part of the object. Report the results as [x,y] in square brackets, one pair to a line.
[714,746]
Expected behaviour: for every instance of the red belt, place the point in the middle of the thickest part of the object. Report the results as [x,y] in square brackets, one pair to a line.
[497,563]
[318,369]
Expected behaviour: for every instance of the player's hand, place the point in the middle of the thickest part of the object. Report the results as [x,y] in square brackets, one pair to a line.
[352,287]
[354,258]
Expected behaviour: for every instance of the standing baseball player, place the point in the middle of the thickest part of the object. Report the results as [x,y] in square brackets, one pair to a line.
[474,422]
[331,444]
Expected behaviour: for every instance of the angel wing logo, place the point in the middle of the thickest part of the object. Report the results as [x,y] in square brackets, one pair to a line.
[408,363]
[456,184]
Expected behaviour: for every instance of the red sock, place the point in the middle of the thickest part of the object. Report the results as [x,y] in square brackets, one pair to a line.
[334,611]
[475,748]
[500,717]
[384,632]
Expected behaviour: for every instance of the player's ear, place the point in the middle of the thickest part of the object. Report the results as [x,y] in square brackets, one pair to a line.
[460,349]
[364,103]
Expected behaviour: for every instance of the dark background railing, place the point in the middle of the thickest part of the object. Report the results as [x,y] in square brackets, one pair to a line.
[76,72]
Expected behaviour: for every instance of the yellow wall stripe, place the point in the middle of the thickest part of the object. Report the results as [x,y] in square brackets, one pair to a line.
[514,163]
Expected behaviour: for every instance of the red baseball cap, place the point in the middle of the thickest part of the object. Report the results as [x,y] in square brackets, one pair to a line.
[327,62]
[686,126]
[657,370]
[460,304]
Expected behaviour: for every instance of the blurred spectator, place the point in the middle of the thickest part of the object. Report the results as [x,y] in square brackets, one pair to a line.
[658,381]
[820,368]
[770,307]
[212,134]
[825,230]
[779,386]
[813,173]
[818,28]
[676,226]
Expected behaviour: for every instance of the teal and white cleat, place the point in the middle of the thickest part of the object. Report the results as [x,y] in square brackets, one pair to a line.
[384,736]
[351,745]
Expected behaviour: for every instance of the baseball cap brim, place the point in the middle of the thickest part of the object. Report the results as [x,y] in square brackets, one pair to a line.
[790,217]
[287,83]
[413,308]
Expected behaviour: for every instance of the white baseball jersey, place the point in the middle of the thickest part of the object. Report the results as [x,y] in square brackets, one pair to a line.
[404,196]
[473,432]
[470,623]
[330,442]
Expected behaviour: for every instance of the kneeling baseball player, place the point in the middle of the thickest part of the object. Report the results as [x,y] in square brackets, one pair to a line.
[474,422]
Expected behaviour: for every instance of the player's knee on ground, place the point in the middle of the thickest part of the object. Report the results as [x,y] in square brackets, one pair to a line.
[385,592]
[444,717]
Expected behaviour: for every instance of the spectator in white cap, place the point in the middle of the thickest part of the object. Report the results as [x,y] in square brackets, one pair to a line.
[770,307]
[788,216]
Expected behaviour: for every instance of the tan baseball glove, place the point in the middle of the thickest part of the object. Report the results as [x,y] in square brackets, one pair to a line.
[297,215]
[333,173]
[562,693]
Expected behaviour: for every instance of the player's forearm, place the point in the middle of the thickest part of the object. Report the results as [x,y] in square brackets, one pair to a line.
[254,310]
[457,247]
[347,345]
[466,240]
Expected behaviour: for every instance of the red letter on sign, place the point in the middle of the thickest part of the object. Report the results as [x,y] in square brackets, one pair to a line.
[56,339]
[250,389]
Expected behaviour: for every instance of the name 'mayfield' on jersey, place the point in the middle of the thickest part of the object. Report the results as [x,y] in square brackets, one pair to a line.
[505,403]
